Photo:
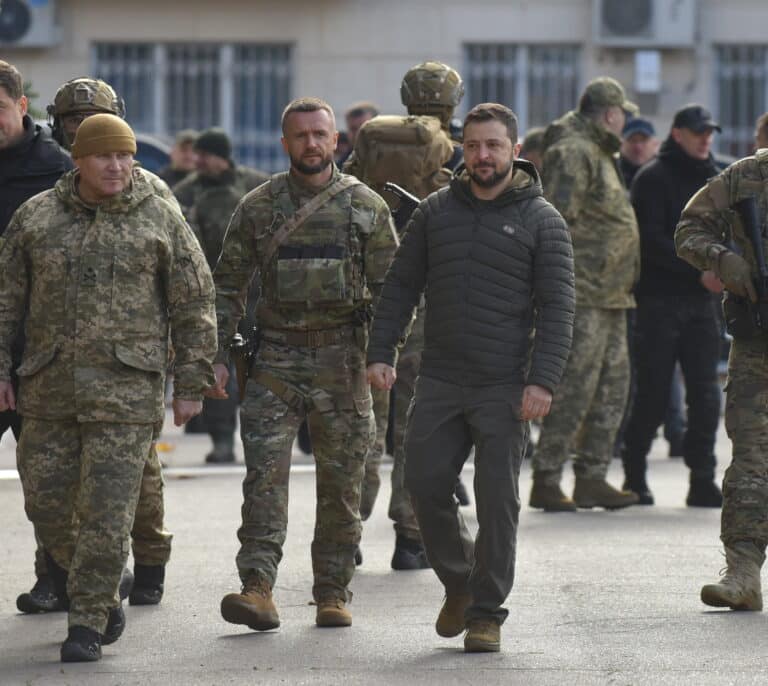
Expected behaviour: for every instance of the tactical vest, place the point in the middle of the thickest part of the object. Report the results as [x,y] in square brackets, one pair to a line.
[321,262]
[410,151]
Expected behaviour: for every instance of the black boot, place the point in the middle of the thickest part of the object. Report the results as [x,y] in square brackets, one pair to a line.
[58,577]
[115,625]
[126,583]
[41,598]
[82,645]
[640,487]
[704,492]
[223,449]
[461,493]
[148,586]
[409,554]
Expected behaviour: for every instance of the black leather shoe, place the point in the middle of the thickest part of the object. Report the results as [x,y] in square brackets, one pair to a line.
[115,626]
[82,645]
[704,493]
[409,554]
[41,598]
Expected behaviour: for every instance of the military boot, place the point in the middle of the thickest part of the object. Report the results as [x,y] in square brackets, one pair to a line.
[115,625]
[223,449]
[588,493]
[332,612]
[640,487]
[483,636]
[409,554]
[148,585]
[739,588]
[41,598]
[450,622]
[59,577]
[549,497]
[81,645]
[704,492]
[253,606]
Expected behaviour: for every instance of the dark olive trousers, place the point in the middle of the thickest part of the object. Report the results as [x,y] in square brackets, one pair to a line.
[445,421]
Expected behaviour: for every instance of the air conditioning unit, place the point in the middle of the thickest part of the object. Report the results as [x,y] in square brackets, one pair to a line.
[28,24]
[644,23]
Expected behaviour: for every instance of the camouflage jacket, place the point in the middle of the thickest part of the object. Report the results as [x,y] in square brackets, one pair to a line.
[707,223]
[582,180]
[159,186]
[324,274]
[102,287]
[208,204]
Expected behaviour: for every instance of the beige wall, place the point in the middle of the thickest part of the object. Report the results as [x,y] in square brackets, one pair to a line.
[347,50]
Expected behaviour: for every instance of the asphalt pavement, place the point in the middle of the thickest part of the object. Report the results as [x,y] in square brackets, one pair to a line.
[599,598]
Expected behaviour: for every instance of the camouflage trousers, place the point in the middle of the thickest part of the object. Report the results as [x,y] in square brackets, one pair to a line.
[400,506]
[371,479]
[327,386]
[150,541]
[90,471]
[745,486]
[589,403]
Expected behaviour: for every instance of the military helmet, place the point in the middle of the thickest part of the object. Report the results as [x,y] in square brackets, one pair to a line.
[86,94]
[431,85]
[83,94]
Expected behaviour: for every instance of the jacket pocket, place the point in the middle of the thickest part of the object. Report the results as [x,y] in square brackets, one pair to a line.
[33,362]
[149,357]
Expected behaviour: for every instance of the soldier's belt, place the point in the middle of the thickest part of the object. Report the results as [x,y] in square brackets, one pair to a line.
[309,339]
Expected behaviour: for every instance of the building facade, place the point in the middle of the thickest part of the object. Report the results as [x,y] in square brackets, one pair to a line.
[236,63]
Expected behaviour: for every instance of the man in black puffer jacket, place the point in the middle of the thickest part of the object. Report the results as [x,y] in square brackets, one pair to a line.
[30,162]
[494,259]
[676,312]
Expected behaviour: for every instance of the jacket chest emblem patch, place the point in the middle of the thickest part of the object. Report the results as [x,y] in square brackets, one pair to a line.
[509,230]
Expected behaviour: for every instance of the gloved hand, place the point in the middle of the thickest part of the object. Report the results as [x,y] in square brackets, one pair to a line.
[734,271]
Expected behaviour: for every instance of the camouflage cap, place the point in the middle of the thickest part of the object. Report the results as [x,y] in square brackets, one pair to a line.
[85,94]
[606,92]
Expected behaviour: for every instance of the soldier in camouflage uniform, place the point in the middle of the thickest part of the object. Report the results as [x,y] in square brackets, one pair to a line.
[74,102]
[582,181]
[711,235]
[208,198]
[318,243]
[430,89]
[104,271]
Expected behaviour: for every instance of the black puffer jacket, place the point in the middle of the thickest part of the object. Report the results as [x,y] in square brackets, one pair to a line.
[660,191]
[492,271]
[30,167]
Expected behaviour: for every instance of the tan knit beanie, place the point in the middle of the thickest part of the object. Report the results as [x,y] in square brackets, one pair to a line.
[103,133]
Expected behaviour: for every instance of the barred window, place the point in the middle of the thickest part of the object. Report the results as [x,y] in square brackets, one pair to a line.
[538,82]
[741,74]
[240,87]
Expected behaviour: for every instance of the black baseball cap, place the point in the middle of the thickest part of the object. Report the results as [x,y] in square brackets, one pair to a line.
[696,118]
[638,125]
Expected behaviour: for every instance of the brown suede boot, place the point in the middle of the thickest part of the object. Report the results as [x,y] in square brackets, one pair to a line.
[550,497]
[332,612]
[253,606]
[739,588]
[483,636]
[588,493]
[450,621]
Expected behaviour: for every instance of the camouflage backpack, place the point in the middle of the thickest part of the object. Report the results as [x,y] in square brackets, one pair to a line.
[410,151]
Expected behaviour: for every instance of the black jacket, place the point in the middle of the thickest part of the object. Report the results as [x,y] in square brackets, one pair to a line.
[492,271]
[30,167]
[659,193]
